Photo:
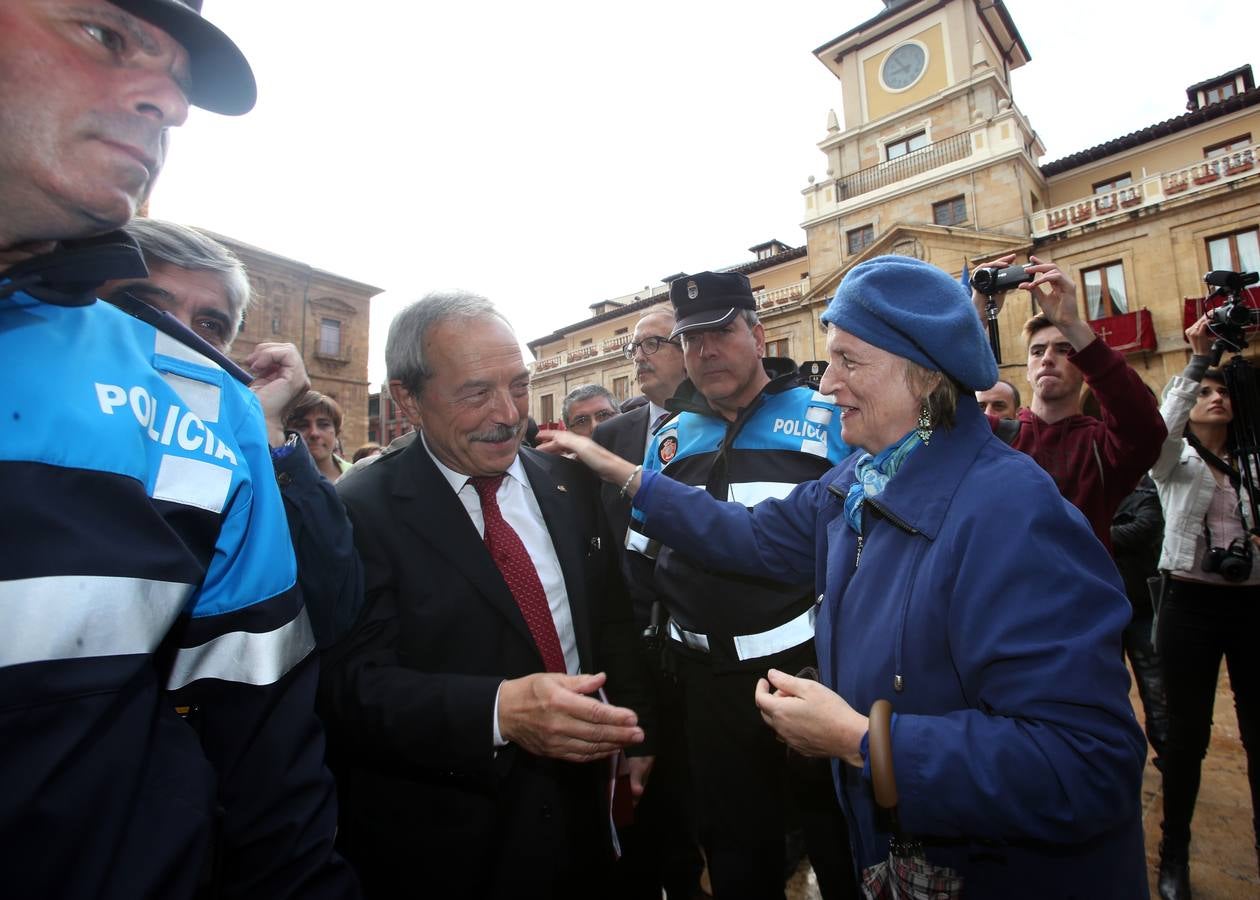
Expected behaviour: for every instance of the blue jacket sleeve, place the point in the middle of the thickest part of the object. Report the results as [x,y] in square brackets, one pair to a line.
[243,666]
[776,539]
[329,570]
[1049,745]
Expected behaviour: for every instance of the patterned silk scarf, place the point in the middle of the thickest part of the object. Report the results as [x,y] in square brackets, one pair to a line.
[873,473]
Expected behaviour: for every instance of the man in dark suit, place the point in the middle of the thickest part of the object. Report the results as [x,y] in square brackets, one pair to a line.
[471,687]
[661,849]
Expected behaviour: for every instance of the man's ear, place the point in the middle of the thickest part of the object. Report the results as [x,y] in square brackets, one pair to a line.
[759,336]
[406,401]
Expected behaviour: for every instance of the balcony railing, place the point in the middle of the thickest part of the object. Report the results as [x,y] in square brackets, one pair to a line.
[934,155]
[1152,190]
[614,344]
[781,296]
[611,346]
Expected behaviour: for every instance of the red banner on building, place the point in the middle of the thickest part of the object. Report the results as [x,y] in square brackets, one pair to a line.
[1128,332]
[1197,306]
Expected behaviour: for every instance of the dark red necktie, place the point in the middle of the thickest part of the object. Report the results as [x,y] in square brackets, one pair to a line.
[509,554]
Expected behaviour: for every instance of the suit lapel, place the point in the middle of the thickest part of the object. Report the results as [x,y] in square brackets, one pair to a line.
[429,507]
[567,538]
[634,436]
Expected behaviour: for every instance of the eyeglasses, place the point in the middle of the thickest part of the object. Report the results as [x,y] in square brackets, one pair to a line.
[649,344]
[602,416]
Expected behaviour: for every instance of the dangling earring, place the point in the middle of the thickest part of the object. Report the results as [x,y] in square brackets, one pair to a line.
[924,428]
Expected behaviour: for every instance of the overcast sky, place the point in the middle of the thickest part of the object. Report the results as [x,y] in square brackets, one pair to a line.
[553,154]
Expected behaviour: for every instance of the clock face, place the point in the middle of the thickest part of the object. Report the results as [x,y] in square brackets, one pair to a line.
[903,66]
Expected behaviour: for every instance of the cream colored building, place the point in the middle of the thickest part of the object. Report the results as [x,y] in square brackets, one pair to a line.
[935,160]
[591,351]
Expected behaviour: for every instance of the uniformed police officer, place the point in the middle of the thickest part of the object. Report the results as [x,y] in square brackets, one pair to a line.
[747,428]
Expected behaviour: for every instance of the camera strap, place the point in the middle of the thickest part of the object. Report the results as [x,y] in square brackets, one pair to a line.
[1234,476]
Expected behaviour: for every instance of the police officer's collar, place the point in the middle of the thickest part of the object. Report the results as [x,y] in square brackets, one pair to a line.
[783,376]
[70,274]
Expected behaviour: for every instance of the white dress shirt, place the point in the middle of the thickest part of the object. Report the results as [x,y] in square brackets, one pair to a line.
[654,413]
[520,510]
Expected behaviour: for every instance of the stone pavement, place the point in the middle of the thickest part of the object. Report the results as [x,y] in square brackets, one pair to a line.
[1222,849]
[1222,854]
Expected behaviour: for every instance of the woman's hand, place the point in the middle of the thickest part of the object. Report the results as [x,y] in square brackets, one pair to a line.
[604,463]
[1200,337]
[810,718]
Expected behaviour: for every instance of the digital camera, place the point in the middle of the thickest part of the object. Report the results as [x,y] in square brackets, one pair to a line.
[1233,563]
[994,281]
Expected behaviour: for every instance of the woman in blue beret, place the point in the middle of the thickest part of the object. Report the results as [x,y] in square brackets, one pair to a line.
[1017,754]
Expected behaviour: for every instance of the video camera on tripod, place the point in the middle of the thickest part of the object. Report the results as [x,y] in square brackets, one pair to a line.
[1227,323]
[1228,320]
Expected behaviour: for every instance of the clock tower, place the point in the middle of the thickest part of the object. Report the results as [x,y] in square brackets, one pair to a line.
[934,159]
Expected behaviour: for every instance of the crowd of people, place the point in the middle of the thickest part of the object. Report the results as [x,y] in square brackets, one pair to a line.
[604,660]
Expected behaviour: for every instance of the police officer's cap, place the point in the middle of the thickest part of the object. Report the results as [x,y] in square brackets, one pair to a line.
[709,300]
[222,80]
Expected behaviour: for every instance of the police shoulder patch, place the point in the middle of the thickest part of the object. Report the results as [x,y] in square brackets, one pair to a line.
[668,449]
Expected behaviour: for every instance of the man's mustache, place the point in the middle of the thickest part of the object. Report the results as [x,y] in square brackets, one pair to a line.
[500,433]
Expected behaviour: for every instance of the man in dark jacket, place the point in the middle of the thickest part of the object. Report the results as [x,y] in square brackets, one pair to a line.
[660,848]
[1137,533]
[470,687]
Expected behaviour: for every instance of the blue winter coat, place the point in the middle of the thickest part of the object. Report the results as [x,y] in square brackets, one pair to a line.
[1017,754]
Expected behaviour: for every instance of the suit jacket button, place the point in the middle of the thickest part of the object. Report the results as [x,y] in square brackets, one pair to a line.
[546,812]
[284,478]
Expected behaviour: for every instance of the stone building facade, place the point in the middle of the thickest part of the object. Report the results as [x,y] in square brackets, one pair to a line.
[386,419]
[591,351]
[935,160]
[324,315]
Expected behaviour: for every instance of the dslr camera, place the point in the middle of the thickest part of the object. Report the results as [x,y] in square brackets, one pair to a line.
[1233,563]
[992,281]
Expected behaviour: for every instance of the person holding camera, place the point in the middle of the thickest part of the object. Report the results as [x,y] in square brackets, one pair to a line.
[1095,462]
[1209,608]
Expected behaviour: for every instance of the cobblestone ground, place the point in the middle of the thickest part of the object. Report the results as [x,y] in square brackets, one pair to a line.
[1222,852]
[1222,855]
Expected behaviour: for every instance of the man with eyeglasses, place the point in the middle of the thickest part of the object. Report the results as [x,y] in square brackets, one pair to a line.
[587,406]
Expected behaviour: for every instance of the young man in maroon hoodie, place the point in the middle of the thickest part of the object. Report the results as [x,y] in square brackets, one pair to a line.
[1095,463]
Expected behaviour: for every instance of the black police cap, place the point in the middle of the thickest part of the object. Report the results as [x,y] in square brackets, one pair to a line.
[709,300]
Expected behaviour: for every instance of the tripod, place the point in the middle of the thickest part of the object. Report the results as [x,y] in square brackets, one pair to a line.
[1226,324]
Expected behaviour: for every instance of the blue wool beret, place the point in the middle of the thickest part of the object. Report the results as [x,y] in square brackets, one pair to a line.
[915,310]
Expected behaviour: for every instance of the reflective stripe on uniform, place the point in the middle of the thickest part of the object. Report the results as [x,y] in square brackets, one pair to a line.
[78,616]
[753,646]
[245,657]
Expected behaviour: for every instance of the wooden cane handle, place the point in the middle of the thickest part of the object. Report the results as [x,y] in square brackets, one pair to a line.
[879,745]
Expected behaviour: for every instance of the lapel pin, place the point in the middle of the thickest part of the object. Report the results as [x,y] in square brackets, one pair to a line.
[562,488]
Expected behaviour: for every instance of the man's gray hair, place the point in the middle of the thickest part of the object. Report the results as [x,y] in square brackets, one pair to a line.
[404,348]
[179,245]
[750,318]
[584,392]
